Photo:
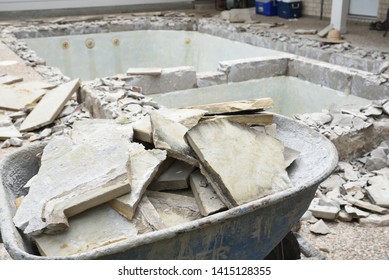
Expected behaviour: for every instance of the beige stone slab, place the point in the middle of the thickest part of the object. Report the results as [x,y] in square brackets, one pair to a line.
[249,119]
[50,106]
[95,228]
[206,198]
[142,167]
[176,177]
[241,164]
[169,135]
[235,106]
[186,117]
[17,97]
[76,174]
[10,79]
[9,131]
[150,214]
[174,209]
[144,71]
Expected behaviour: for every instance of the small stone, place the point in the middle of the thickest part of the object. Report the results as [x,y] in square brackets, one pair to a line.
[6,144]
[358,123]
[378,191]
[321,118]
[323,211]
[374,163]
[320,228]
[344,216]
[16,142]
[373,111]
[385,108]
[45,133]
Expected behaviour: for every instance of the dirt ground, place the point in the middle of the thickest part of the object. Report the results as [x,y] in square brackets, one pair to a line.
[348,240]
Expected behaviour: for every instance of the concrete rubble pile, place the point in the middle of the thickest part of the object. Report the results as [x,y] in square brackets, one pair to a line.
[358,190]
[161,171]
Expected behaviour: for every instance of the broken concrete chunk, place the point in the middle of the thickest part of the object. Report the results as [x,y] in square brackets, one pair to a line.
[375,220]
[169,135]
[176,177]
[332,182]
[355,212]
[207,199]
[75,174]
[366,205]
[142,167]
[328,212]
[253,105]
[251,173]
[50,106]
[174,209]
[378,191]
[92,229]
[320,227]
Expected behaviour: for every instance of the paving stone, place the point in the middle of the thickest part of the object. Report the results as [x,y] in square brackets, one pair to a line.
[367,206]
[344,216]
[175,177]
[142,167]
[248,176]
[88,176]
[169,135]
[10,79]
[9,131]
[17,97]
[206,198]
[97,227]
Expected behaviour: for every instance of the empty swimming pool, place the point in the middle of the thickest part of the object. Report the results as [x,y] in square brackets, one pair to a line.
[291,95]
[106,54]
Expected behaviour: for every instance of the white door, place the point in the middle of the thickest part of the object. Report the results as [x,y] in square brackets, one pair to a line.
[364,7]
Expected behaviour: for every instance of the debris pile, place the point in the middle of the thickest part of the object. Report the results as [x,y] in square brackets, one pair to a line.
[181,176]
[31,111]
[358,190]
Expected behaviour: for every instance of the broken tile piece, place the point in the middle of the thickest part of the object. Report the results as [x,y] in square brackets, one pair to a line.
[17,97]
[144,71]
[10,79]
[95,228]
[378,191]
[252,105]
[252,172]
[320,227]
[176,177]
[355,212]
[207,199]
[186,117]
[76,174]
[150,214]
[169,135]
[50,106]
[142,167]
[174,209]
[249,119]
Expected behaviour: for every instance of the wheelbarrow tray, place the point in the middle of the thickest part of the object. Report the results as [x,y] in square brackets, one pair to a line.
[249,231]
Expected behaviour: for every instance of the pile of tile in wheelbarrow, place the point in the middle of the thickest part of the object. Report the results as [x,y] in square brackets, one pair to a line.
[171,167]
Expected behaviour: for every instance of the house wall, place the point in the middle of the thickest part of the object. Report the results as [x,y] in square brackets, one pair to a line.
[312,8]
